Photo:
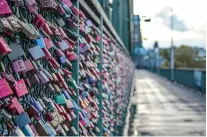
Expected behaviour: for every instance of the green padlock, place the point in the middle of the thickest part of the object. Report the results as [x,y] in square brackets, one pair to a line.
[60,99]
[73,84]
[2,67]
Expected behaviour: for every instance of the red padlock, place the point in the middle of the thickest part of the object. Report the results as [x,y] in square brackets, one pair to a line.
[39,21]
[59,77]
[66,72]
[59,53]
[63,35]
[46,29]
[4,48]
[64,85]
[75,10]
[5,89]
[61,11]
[82,15]
[47,53]
[53,63]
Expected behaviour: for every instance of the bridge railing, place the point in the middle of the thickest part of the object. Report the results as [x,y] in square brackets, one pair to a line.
[191,78]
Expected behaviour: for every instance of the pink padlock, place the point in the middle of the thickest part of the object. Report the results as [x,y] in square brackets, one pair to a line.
[47,53]
[19,66]
[4,9]
[61,11]
[72,56]
[20,88]
[67,2]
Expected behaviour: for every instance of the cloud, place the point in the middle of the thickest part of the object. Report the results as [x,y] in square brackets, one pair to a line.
[183,31]
[165,14]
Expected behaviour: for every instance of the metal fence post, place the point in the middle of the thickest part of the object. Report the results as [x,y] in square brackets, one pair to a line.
[75,74]
[100,125]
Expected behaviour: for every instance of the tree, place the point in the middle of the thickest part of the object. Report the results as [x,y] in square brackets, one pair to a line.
[184,57]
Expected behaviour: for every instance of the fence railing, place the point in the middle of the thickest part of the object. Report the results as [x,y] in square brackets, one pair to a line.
[191,78]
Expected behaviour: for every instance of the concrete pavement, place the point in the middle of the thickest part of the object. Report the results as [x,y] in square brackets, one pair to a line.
[165,109]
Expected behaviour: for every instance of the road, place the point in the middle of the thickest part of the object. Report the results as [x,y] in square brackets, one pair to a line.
[166,109]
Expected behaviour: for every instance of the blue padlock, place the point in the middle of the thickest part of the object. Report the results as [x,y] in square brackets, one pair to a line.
[84,94]
[40,42]
[75,105]
[90,80]
[87,121]
[67,96]
[22,120]
[37,105]
[27,130]
[63,59]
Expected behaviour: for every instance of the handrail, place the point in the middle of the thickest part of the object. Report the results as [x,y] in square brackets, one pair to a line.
[187,69]
[99,9]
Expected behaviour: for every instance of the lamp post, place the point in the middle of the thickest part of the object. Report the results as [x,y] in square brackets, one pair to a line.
[110,9]
[172,48]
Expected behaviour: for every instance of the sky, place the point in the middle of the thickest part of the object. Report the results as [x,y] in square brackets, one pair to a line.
[188,16]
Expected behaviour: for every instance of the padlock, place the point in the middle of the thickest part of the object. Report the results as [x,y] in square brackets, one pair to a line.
[14,24]
[66,72]
[6,27]
[4,48]
[27,130]
[17,51]
[22,120]
[49,117]
[48,5]
[40,42]
[5,89]
[63,35]
[69,103]
[40,127]
[63,45]
[59,53]
[15,106]
[64,85]
[31,6]
[5,9]
[59,77]
[29,66]
[34,80]
[47,53]
[61,11]
[60,99]
[73,130]
[67,2]
[57,119]
[47,30]
[67,96]
[39,21]
[28,30]
[47,74]
[17,132]
[56,87]
[43,78]
[60,22]
[19,66]
[53,63]
[50,87]
[33,129]
[37,106]
[36,53]
[71,56]
[48,43]
[20,88]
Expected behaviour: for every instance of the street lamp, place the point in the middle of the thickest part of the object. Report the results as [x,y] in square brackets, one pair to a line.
[172,48]
[110,9]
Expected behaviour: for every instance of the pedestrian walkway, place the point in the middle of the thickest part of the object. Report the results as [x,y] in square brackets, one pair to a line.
[165,109]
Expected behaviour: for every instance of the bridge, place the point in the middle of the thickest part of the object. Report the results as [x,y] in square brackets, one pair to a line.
[163,108]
